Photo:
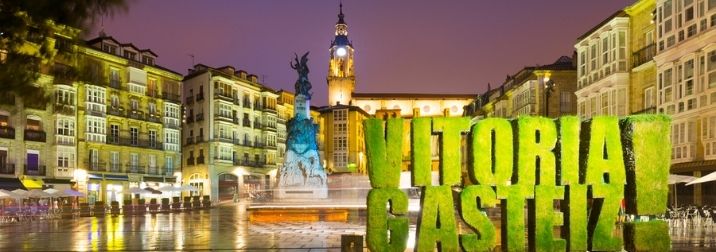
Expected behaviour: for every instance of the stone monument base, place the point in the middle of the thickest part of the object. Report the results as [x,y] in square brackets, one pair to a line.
[301,193]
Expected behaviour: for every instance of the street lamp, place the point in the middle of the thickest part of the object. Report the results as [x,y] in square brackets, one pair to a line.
[548,88]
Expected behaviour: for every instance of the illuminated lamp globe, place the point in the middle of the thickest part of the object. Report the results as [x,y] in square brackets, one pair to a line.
[341,51]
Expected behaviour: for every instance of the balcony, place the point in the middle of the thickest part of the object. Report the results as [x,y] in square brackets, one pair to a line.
[257,124]
[155,118]
[199,117]
[190,161]
[250,163]
[225,139]
[189,140]
[115,83]
[189,118]
[96,166]
[115,167]
[7,169]
[247,103]
[134,142]
[136,114]
[116,111]
[644,55]
[153,170]
[199,139]
[271,127]
[168,171]
[38,170]
[247,123]
[226,159]
[172,124]
[153,93]
[64,109]
[135,168]
[218,94]
[173,98]
[200,160]
[35,135]
[95,111]
[64,140]
[189,100]
[7,132]
[268,108]
[199,97]
[226,117]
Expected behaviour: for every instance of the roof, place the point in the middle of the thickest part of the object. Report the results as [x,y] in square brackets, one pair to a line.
[325,109]
[619,13]
[102,38]
[413,96]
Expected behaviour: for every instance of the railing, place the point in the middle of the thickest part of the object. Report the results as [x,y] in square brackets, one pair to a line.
[268,108]
[649,110]
[152,170]
[65,109]
[199,139]
[189,118]
[115,110]
[134,142]
[7,132]
[113,83]
[199,117]
[175,98]
[35,135]
[200,97]
[134,168]
[189,99]
[224,96]
[96,166]
[247,123]
[153,93]
[171,124]
[270,126]
[222,158]
[136,114]
[257,124]
[226,139]
[190,161]
[226,117]
[168,171]
[35,171]
[115,167]
[247,104]
[64,140]
[92,110]
[7,168]
[154,118]
[250,163]
[644,55]
[200,160]
[189,140]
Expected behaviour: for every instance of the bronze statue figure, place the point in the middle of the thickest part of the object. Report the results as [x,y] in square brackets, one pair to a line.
[303,86]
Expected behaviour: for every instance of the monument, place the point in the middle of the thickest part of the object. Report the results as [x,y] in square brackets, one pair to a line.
[302,176]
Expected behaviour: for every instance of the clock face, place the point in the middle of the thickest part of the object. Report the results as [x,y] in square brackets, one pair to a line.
[341,51]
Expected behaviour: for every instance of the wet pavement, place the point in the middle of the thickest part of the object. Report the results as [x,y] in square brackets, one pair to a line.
[225,227]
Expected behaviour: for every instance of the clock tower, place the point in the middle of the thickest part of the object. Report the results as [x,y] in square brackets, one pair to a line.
[341,78]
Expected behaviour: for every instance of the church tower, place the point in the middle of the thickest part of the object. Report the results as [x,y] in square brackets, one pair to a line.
[341,78]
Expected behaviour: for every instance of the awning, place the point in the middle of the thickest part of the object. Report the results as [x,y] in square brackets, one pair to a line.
[56,181]
[32,183]
[153,179]
[11,184]
[94,176]
[116,177]
[171,180]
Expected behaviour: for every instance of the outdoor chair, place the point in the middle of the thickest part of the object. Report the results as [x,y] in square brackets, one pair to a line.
[128,208]
[85,210]
[153,206]
[196,202]
[187,203]
[99,209]
[141,208]
[176,204]
[114,208]
[206,203]
[165,206]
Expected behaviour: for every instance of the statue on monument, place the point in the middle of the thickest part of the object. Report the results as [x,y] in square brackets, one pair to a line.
[303,86]
[302,175]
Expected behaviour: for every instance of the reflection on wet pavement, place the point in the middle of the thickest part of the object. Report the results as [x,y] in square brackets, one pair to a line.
[224,228]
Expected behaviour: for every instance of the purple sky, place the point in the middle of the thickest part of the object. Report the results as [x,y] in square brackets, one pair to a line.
[417,46]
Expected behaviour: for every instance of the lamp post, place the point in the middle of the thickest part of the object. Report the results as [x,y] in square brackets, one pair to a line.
[548,88]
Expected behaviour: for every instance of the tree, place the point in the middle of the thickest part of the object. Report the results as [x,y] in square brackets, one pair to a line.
[27,38]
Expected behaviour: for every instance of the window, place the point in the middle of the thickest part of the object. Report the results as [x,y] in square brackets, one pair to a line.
[688,77]
[565,102]
[94,159]
[96,128]
[133,160]
[134,136]
[711,68]
[114,161]
[605,103]
[152,138]
[114,100]
[114,79]
[95,99]
[65,159]
[65,97]
[65,127]
[649,98]
[134,104]
[114,133]
[152,108]
[169,165]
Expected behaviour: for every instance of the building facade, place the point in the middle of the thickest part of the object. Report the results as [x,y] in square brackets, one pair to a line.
[128,120]
[232,132]
[533,91]
[686,89]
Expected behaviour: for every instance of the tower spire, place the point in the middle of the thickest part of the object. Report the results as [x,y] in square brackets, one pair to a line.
[340,14]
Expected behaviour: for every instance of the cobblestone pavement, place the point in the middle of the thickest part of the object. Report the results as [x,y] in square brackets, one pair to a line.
[222,228]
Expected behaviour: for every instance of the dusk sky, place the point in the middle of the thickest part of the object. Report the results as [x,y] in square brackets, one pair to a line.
[401,46]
